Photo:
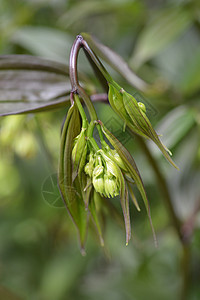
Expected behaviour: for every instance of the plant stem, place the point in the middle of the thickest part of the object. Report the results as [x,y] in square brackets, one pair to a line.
[96,61]
[99,97]
[76,88]
[185,263]
[185,271]
[73,62]
[81,110]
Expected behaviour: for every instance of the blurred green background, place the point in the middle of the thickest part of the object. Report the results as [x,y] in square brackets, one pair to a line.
[39,253]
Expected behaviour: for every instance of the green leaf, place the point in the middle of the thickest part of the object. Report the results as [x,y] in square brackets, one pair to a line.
[30,84]
[125,207]
[133,196]
[44,41]
[158,33]
[80,153]
[71,191]
[176,124]
[80,11]
[95,198]
[190,79]
[82,215]
[115,61]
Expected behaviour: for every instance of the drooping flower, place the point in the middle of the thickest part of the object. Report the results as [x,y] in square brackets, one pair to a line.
[133,114]
[88,175]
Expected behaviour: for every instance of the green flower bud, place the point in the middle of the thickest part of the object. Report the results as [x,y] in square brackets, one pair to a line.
[98,175]
[98,170]
[111,166]
[98,183]
[89,167]
[74,150]
[142,107]
[111,186]
[118,159]
[79,143]
[116,100]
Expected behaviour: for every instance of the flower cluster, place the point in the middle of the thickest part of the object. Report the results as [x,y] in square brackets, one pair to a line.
[104,171]
[133,114]
[89,175]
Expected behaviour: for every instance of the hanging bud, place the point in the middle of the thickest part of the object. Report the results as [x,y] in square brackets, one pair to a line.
[135,117]
[98,183]
[117,159]
[98,170]
[111,178]
[116,101]
[79,143]
[98,175]
[142,107]
[111,186]
[89,167]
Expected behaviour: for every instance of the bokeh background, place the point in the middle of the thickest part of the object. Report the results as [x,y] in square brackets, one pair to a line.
[39,252]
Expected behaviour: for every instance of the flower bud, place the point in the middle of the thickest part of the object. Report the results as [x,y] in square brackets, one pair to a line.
[98,183]
[79,143]
[116,100]
[98,170]
[118,159]
[89,167]
[111,166]
[111,186]
[142,107]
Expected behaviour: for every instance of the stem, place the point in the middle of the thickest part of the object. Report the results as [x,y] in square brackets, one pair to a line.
[97,72]
[76,88]
[96,61]
[73,62]
[185,263]
[93,144]
[99,97]
[81,110]
[185,271]
[88,103]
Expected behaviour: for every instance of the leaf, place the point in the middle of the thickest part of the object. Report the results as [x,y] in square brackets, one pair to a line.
[71,191]
[125,207]
[158,33]
[176,124]
[190,79]
[115,61]
[30,84]
[44,41]
[133,196]
[81,11]
[95,197]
